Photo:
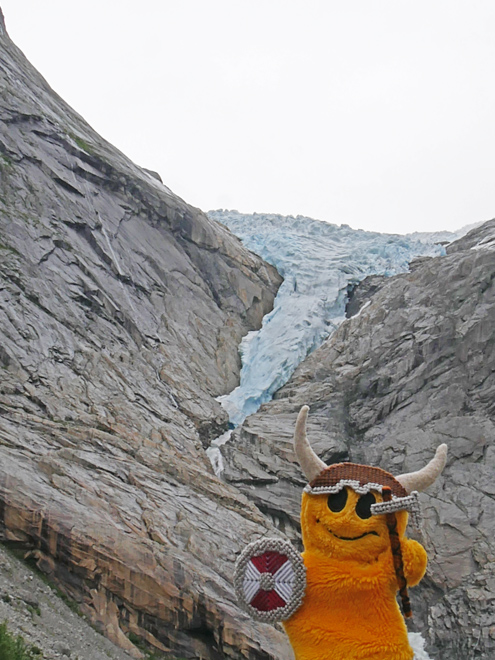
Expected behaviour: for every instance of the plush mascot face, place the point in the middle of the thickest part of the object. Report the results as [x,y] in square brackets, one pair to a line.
[337,517]
[341,525]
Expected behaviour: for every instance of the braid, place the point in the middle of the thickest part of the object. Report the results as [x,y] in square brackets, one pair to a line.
[397,555]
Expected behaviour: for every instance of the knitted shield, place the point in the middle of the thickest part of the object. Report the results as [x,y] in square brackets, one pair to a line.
[270,580]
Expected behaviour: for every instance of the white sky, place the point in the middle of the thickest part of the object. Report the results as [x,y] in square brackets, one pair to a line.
[375,113]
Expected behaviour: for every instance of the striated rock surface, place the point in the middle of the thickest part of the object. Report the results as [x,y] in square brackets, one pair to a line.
[121,309]
[415,367]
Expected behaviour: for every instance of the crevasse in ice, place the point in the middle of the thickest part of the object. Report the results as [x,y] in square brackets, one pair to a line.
[318,261]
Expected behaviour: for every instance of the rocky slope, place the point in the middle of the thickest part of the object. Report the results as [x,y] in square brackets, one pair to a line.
[121,309]
[35,611]
[414,368]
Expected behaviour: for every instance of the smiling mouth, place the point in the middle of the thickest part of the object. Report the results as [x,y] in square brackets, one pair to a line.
[353,538]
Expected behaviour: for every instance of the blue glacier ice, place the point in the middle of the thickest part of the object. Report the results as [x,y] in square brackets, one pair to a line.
[318,261]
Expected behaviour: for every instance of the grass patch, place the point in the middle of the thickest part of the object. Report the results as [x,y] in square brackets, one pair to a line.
[5,161]
[15,648]
[34,609]
[82,144]
[141,645]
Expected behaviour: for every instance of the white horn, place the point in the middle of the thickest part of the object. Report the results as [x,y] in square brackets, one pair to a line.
[311,465]
[423,478]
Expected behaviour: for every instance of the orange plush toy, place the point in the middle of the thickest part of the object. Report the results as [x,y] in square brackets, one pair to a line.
[339,601]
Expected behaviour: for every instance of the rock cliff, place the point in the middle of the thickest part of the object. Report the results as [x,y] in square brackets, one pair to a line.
[412,369]
[121,310]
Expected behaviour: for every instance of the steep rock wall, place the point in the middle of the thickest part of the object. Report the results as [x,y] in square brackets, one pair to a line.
[121,309]
[414,368]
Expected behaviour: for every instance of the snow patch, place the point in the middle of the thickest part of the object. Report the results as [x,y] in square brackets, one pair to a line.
[418,645]
[365,306]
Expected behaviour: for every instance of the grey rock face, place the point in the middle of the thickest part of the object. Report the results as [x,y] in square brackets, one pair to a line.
[121,309]
[362,293]
[413,369]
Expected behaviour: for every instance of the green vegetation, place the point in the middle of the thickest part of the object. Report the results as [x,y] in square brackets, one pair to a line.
[141,645]
[82,144]
[15,648]
[149,654]
[5,160]
[34,609]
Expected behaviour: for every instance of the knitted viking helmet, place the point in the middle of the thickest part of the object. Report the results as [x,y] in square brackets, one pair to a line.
[324,479]
[398,493]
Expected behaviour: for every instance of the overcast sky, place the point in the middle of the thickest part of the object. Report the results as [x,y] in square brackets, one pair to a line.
[379,114]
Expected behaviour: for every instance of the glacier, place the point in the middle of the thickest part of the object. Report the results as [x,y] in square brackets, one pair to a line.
[320,262]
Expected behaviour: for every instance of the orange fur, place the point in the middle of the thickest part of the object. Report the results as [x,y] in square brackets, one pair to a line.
[350,610]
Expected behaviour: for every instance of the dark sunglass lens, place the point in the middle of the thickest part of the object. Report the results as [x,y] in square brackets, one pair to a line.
[336,501]
[363,506]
